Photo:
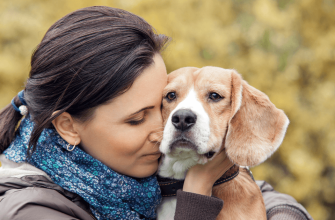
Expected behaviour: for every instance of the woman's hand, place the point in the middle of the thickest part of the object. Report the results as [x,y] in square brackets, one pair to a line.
[201,178]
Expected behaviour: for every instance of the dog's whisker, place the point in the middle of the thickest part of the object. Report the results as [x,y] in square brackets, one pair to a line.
[156,144]
[158,131]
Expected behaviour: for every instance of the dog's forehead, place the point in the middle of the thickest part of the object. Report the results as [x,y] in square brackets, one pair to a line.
[183,75]
[195,77]
[181,79]
[213,75]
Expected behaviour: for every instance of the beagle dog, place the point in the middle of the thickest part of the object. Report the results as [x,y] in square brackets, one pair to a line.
[212,109]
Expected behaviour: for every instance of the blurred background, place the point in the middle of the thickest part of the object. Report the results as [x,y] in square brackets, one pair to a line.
[284,48]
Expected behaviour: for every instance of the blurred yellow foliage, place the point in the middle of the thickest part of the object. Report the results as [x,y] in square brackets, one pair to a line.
[284,48]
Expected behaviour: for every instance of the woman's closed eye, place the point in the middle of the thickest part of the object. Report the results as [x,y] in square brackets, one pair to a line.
[137,120]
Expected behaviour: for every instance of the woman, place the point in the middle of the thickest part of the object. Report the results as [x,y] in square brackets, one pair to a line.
[94,95]
[90,137]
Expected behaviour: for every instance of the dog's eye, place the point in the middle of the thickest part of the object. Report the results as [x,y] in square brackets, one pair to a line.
[171,96]
[214,96]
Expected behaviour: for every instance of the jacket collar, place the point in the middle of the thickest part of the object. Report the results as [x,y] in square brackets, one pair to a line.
[10,168]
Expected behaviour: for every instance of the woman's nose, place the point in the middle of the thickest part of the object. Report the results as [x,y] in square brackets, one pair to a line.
[156,134]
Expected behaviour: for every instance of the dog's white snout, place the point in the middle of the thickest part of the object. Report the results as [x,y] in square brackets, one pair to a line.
[183,119]
[187,127]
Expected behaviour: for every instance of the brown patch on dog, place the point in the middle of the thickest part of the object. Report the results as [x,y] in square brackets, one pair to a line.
[256,128]
[213,79]
[242,199]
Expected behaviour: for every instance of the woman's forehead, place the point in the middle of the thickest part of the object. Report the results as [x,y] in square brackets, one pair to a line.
[146,90]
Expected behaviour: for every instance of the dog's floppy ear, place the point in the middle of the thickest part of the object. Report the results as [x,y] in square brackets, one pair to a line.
[256,127]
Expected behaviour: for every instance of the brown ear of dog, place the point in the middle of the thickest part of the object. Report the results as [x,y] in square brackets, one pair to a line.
[256,127]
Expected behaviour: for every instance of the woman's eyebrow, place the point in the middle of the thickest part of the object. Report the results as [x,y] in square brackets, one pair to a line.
[145,108]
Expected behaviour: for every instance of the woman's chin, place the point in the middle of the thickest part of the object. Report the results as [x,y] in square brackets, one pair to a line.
[143,171]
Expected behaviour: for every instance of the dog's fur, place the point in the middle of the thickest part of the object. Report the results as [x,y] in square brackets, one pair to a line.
[244,122]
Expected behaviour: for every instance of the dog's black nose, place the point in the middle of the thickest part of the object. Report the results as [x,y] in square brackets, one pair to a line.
[183,119]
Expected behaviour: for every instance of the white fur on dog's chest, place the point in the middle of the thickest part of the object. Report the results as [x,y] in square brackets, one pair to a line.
[167,208]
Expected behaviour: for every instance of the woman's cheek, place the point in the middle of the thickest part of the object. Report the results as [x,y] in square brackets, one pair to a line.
[129,143]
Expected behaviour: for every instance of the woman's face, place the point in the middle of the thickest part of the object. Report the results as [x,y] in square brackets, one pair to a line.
[123,134]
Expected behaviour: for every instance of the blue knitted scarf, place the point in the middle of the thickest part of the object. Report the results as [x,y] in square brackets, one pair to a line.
[111,195]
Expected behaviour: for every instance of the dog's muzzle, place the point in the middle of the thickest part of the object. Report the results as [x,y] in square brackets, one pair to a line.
[183,120]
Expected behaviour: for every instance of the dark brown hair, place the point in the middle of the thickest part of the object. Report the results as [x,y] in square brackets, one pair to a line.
[85,59]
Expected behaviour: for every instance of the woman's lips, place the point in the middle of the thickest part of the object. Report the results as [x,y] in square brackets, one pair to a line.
[153,156]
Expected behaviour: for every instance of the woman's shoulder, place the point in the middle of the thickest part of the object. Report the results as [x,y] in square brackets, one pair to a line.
[36,197]
[280,205]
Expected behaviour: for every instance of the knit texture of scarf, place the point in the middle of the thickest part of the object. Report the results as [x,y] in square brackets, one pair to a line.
[111,195]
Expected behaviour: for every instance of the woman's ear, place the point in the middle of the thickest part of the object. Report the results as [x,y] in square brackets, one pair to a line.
[65,126]
[256,127]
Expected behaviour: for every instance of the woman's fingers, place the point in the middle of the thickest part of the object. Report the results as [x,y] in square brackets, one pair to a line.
[219,165]
[214,168]
[216,161]
[201,178]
